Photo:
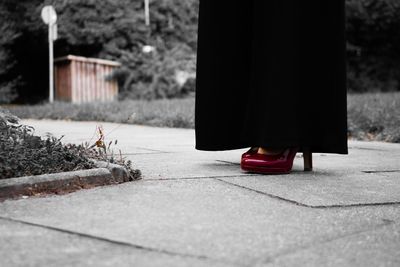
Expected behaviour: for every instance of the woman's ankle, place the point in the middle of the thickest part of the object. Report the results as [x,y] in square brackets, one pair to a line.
[270,151]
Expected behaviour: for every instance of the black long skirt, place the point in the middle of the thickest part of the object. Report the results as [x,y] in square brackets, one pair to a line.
[272,74]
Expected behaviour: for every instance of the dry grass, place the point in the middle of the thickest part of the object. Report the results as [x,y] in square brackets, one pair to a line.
[374,116]
[177,113]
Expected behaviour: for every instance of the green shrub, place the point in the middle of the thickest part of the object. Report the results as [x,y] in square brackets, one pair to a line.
[157,76]
[8,81]
[374,41]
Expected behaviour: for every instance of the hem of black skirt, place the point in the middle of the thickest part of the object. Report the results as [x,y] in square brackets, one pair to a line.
[314,148]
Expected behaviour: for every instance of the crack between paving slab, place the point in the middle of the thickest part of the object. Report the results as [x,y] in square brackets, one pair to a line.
[289,251]
[312,206]
[229,162]
[381,171]
[150,149]
[116,242]
[196,177]
[144,153]
[367,148]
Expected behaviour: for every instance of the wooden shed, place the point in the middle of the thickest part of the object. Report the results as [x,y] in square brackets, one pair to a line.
[84,80]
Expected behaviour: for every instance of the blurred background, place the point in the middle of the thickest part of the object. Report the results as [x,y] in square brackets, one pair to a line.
[156,79]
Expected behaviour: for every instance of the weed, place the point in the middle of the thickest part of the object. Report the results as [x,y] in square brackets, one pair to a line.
[101,150]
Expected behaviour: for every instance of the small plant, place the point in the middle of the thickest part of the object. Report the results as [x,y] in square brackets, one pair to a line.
[102,151]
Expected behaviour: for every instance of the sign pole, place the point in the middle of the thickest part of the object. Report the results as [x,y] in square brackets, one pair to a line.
[49,17]
[147,11]
[51,63]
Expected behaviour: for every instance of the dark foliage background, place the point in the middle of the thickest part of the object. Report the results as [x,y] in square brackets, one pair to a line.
[373,33]
[99,28]
[115,30]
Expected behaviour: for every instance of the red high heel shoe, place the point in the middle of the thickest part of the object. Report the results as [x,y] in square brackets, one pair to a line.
[281,163]
[250,152]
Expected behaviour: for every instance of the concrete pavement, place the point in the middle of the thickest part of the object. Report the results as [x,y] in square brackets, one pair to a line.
[197,208]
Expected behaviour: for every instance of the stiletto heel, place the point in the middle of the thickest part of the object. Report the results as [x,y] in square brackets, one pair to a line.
[307,156]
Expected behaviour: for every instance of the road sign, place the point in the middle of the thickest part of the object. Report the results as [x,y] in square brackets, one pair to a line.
[49,15]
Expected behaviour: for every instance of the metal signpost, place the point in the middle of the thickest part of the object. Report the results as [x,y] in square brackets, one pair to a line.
[147,11]
[49,17]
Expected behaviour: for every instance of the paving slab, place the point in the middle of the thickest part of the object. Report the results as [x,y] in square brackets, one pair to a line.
[327,189]
[27,245]
[188,165]
[199,217]
[379,247]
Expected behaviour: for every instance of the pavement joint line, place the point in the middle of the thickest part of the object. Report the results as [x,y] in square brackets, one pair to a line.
[150,149]
[145,153]
[356,205]
[376,171]
[229,162]
[144,179]
[367,148]
[289,251]
[115,242]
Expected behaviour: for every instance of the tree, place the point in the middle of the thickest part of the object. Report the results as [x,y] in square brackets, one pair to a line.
[103,28]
